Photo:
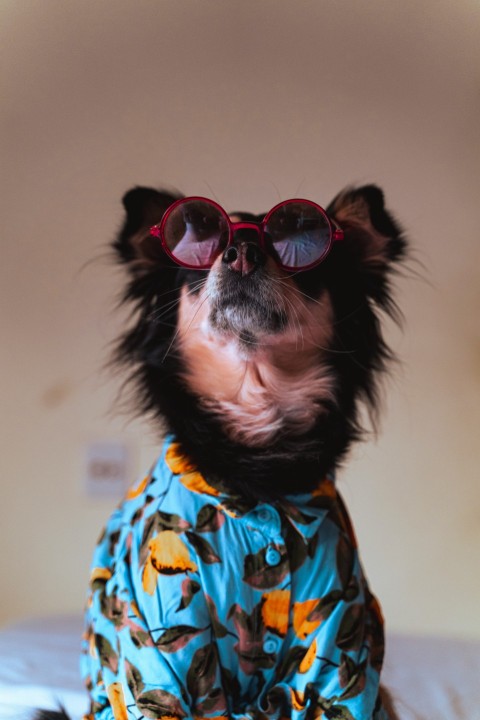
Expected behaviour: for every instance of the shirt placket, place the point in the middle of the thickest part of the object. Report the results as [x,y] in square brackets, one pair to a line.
[265,523]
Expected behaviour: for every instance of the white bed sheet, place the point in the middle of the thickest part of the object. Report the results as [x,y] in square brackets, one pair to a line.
[39,667]
[430,678]
[433,678]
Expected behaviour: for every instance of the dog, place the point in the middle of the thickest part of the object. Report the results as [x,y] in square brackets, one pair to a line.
[228,583]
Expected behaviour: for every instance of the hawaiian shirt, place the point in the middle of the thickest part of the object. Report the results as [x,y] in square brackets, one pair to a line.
[203,607]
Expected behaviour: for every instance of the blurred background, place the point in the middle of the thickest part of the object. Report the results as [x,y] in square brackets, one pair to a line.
[247,102]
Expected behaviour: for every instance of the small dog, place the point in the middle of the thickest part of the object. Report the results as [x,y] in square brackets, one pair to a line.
[228,583]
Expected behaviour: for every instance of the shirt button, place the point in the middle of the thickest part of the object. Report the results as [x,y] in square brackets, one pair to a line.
[264,515]
[272,556]
[270,646]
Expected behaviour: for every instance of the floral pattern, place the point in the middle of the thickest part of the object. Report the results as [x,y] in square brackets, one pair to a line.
[201,606]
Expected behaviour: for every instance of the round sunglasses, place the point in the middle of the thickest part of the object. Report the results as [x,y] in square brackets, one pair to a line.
[298,234]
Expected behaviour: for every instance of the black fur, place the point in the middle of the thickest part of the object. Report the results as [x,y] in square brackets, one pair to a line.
[359,288]
[358,282]
[51,715]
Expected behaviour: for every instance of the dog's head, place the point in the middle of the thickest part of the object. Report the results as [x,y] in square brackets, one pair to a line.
[267,361]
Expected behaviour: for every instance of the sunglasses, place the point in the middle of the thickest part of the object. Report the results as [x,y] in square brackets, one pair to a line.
[298,234]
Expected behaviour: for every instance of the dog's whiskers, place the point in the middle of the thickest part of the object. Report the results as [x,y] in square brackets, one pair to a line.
[156,315]
[203,300]
[334,323]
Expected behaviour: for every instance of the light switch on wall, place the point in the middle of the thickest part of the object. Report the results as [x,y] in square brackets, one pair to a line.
[106,468]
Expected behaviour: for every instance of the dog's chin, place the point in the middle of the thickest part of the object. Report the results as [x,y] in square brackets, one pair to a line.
[247,322]
[249,310]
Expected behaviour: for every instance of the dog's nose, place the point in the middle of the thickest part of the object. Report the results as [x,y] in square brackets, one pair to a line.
[244,257]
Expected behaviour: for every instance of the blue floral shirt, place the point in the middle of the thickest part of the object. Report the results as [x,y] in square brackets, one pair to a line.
[203,607]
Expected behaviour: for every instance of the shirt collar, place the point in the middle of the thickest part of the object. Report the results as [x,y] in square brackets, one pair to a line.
[304,510]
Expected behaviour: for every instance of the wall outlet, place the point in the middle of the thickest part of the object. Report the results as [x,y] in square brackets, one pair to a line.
[106,468]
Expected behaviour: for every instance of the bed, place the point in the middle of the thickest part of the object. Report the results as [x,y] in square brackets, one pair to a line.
[431,678]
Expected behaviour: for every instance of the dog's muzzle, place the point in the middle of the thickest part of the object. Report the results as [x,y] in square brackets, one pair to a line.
[244,301]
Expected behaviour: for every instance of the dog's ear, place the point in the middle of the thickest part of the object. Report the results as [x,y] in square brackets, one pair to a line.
[361,213]
[134,245]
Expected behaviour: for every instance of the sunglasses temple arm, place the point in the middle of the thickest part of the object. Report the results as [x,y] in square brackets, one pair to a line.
[338,233]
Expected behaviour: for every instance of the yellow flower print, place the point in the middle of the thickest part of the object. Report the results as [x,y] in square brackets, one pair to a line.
[177,462]
[196,482]
[134,492]
[168,555]
[99,573]
[149,577]
[325,488]
[301,624]
[297,698]
[117,701]
[135,609]
[190,477]
[275,608]
[308,659]
[227,510]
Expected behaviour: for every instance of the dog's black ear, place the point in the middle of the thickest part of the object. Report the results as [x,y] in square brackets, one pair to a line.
[134,245]
[361,213]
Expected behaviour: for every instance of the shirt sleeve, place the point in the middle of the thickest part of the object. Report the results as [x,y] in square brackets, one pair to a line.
[136,661]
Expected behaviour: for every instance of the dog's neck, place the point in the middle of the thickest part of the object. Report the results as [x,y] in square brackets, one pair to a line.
[277,387]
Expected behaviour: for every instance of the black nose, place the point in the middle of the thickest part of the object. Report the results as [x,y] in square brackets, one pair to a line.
[244,257]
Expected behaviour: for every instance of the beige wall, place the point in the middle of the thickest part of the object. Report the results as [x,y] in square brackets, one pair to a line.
[248,100]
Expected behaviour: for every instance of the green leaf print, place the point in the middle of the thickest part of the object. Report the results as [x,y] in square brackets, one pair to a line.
[148,530]
[203,548]
[140,638]
[289,663]
[345,560]
[296,546]
[155,704]
[259,574]
[112,541]
[339,712]
[202,671]
[108,656]
[351,590]
[134,679]
[219,630]
[230,684]
[209,519]
[112,607]
[177,637]
[171,521]
[189,589]
[325,606]
[351,631]
[215,702]
[352,677]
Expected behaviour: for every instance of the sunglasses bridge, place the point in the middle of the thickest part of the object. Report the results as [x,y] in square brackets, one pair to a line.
[243,255]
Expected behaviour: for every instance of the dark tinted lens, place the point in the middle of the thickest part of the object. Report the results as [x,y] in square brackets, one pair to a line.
[195,232]
[299,234]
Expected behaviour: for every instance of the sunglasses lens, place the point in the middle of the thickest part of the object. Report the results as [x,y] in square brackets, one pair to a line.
[195,232]
[299,234]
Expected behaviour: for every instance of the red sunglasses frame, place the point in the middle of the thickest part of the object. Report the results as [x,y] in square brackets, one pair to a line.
[336,233]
